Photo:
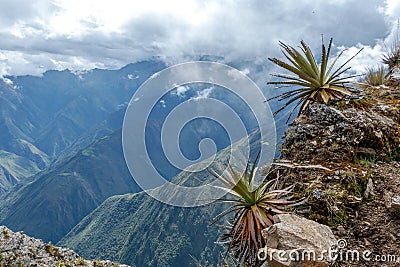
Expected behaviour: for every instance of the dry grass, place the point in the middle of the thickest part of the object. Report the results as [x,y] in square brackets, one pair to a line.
[375,76]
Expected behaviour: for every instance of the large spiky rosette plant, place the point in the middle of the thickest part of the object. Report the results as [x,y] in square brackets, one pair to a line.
[253,208]
[312,81]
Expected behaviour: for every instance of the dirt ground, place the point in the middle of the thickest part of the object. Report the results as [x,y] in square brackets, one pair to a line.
[375,228]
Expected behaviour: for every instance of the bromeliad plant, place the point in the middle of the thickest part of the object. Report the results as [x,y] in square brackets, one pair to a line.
[253,208]
[314,82]
[392,55]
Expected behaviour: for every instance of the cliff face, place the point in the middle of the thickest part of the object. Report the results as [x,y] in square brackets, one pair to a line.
[345,158]
[18,249]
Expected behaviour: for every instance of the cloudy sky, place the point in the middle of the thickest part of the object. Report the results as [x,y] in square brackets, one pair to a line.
[36,36]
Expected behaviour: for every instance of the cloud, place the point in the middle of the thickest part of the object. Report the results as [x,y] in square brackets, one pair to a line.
[369,57]
[205,93]
[132,76]
[163,103]
[181,90]
[39,35]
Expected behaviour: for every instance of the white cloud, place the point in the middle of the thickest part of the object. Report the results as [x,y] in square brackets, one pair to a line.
[245,71]
[392,9]
[181,90]
[7,81]
[368,57]
[132,76]
[205,93]
[56,34]
[163,104]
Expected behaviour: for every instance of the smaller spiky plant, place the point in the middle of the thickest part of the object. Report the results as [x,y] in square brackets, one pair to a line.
[313,82]
[253,209]
[392,55]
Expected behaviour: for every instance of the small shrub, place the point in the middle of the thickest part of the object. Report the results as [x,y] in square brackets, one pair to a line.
[375,76]
[367,162]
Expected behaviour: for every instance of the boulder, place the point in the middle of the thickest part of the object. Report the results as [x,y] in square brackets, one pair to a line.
[295,241]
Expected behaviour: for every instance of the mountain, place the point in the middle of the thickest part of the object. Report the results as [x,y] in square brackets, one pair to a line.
[138,230]
[13,169]
[43,119]
[55,200]
[61,154]
[344,158]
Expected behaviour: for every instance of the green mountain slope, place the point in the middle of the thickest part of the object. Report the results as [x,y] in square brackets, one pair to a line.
[13,169]
[138,230]
[54,201]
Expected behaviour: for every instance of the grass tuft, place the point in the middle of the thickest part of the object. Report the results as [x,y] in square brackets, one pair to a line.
[374,76]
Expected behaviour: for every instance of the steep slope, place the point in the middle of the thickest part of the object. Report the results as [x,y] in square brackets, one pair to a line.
[42,117]
[106,127]
[68,104]
[13,169]
[345,158]
[138,230]
[52,202]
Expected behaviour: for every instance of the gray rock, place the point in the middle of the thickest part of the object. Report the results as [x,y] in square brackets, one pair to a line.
[18,249]
[341,229]
[293,240]
[392,202]
[395,204]
[370,132]
[369,191]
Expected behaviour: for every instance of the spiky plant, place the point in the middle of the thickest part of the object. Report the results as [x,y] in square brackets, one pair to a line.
[392,54]
[253,208]
[313,82]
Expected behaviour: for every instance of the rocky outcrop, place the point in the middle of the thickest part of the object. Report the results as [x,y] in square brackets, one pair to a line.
[295,241]
[18,249]
[329,134]
[353,147]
